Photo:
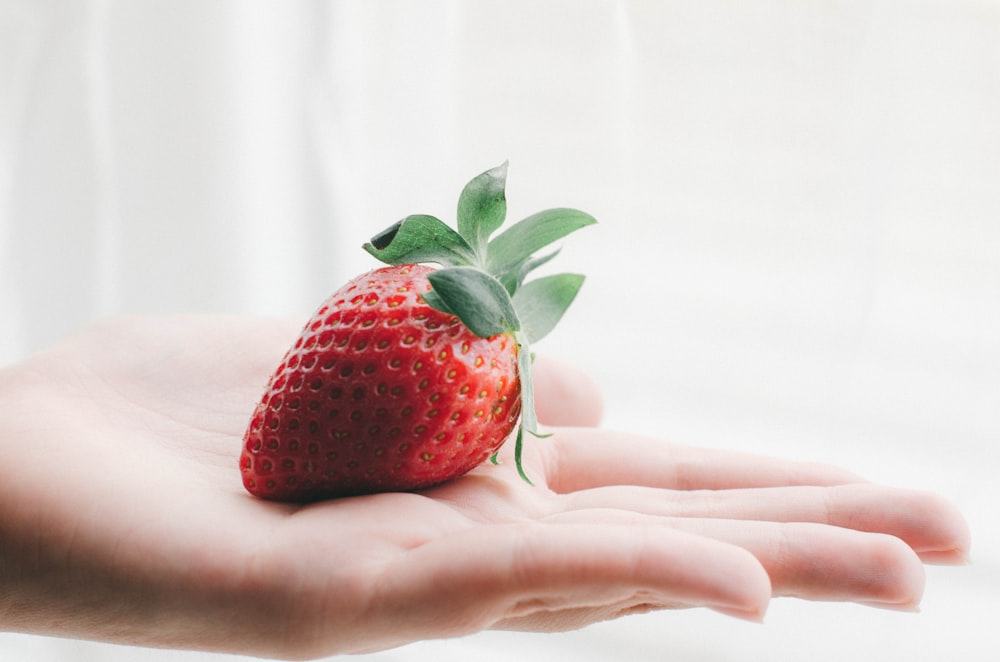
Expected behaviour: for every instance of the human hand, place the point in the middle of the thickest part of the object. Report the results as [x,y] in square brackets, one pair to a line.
[123,517]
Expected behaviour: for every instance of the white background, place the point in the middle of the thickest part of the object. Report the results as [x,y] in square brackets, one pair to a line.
[799,248]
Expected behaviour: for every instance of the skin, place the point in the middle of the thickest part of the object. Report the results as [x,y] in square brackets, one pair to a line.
[123,517]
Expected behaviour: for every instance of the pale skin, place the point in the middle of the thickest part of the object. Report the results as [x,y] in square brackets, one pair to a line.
[123,517]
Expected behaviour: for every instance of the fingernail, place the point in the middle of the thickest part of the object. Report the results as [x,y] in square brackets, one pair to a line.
[751,615]
[946,557]
[907,607]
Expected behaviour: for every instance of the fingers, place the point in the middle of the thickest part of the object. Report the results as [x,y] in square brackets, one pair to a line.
[565,395]
[929,524]
[576,459]
[552,576]
[817,562]
[806,560]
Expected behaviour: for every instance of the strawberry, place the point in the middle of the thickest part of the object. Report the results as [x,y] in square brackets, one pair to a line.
[409,376]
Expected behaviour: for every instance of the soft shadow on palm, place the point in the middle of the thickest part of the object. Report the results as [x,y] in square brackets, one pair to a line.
[157,543]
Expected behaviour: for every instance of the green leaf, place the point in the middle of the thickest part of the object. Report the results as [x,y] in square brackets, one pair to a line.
[434,300]
[518,242]
[421,238]
[482,207]
[514,277]
[476,298]
[541,303]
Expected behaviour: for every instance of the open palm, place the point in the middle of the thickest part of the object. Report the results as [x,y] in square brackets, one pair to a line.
[123,517]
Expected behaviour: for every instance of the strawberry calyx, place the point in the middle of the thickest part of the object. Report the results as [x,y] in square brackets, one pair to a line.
[483,278]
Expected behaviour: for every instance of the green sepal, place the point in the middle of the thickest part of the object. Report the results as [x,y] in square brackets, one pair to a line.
[529,419]
[514,277]
[518,448]
[482,207]
[516,244]
[421,238]
[542,302]
[476,298]
[434,300]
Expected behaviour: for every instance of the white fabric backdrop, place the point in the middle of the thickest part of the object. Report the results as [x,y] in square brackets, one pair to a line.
[799,250]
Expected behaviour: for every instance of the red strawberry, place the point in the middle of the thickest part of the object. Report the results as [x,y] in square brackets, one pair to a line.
[381,392]
[409,376]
